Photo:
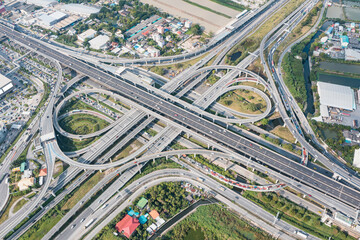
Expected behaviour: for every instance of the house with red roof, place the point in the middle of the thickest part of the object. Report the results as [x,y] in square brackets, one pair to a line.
[127,225]
[43,172]
[154,214]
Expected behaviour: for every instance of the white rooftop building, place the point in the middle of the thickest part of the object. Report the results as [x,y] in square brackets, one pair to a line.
[5,85]
[88,34]
[324,111]
[80,9]
[49,20]
[100,42]
[42,3]
[356,161]
[338,96]
[352,54]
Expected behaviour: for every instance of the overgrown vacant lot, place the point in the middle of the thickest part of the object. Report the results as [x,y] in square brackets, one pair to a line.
[244,101]
[215,222]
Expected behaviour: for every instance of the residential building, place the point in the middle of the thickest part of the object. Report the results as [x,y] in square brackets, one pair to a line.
[127,225]
[153,52]
[154,214]
[43,172]
[142,203]
[25,183]
[344,41]
[23,166]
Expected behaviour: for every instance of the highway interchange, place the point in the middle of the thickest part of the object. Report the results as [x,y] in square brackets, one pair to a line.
[180,117]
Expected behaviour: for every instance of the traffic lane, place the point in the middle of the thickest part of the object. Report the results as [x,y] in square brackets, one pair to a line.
[344,172]
[317,183]
[99,75]
[110,82]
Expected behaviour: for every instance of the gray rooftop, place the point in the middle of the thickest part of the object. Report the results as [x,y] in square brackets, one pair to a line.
[338,96]
[4,81]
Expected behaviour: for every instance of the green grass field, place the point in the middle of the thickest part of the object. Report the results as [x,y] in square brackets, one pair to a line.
[244,101]
[19,205]
[82,124]
[215,222]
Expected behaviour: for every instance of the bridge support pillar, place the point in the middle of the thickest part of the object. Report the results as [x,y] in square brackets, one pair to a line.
[166,157]
[101,170]
[153,160]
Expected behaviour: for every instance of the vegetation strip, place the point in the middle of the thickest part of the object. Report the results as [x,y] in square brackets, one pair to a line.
[206,8]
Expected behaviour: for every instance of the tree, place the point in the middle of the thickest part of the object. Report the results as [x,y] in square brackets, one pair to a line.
[228,102]
[264,121]
[196,29]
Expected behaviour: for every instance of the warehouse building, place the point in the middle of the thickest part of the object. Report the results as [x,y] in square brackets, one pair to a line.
[100,42]
[88,34]
[51,19]
[338,96]
[5,85]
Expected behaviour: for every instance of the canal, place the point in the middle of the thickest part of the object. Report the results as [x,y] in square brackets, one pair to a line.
[309,95]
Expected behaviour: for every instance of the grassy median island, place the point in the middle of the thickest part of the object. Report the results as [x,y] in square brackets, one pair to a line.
[19,205]
[69,145]
[296,215]
[244,101]
[284,133]
[214,222]
[82,124]
[128,149]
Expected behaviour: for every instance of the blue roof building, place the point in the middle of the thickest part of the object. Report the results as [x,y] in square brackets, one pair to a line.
[142,219]
[344,41]
[23,166]
[328,32]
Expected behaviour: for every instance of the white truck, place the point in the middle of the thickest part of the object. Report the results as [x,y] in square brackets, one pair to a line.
[89,223]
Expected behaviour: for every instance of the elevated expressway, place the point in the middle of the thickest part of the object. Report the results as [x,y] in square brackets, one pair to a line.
[23,213]
[300,114]
[70,64]
[193,122]
[122,199]
[341,171]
